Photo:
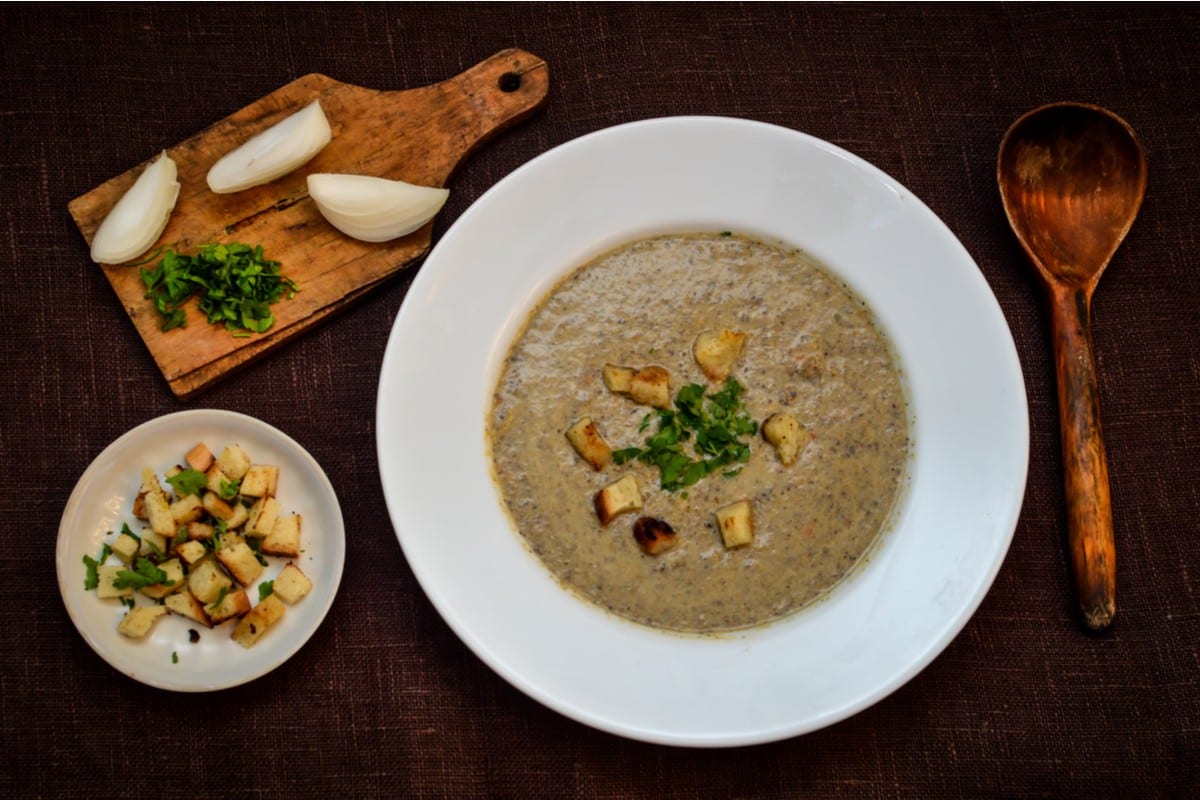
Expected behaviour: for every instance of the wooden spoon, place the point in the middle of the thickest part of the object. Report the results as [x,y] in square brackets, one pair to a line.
[1072,177]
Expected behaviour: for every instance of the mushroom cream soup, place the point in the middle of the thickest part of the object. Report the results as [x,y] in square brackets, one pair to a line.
[810,355]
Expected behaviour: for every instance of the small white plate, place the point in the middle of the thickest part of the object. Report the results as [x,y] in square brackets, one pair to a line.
[103,500]
[970,431]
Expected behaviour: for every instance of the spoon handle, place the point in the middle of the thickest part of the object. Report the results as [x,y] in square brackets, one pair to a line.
[1089,504]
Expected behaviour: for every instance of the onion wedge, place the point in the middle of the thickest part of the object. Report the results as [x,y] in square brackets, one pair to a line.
[273,153]
[139,217]
[374,209]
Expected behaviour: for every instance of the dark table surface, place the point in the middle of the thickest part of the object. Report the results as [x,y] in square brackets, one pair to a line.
[384,700]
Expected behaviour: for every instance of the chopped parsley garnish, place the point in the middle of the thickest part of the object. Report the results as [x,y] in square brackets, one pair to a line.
[174,657]
[713,429]
[215,604]
[255,544]
[128,531]
[144,574]
[91,578]
[229,489]
[188,481]
[237,286]
[155,549]
[264,590]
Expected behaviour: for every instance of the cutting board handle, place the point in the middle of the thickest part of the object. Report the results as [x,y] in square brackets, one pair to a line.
[421,135]
[492,96]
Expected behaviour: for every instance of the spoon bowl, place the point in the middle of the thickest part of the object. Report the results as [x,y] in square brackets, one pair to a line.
[1072,177]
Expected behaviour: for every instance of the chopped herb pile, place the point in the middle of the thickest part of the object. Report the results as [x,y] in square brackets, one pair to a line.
[717,426]
[237,286]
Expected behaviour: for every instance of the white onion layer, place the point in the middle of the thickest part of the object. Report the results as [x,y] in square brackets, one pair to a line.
[374,209]
[275,152]
[139,217]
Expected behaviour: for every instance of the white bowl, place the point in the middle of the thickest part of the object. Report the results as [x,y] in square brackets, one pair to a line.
[103,500]
[969,427]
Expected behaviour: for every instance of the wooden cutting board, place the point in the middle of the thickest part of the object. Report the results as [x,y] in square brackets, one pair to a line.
[418,136]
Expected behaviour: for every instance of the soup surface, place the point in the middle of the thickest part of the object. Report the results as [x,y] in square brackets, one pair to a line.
[811,350]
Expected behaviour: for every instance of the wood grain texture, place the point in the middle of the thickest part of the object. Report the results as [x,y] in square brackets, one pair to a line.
[1072,177]
[1090,537]
[417,135]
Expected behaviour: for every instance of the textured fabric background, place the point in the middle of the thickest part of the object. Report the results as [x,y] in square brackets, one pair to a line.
[385,700]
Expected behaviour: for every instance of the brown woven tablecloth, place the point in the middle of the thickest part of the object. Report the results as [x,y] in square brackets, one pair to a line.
[385,701]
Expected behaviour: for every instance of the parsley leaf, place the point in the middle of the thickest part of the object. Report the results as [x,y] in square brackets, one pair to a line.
[712,426]
[229,489]
[188,481]
[145,574]
[264,589]
[215,604]
[91,578]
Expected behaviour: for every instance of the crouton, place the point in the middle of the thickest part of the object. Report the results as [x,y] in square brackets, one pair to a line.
[172,583]
[232,514]
[716,351]
[158,510]
[260,619]
[260,481]
[651,386]
[235,603]
[261,517]
[200,458]
[617,498]
[186,605]
[153,545]
[237,557]
[589,444]
[187,509]
[191,551]
[233,462]
[291,584]
[139,620]
[654,535]
[284,538]
[150,484]
[736,523]
[199,531]
[240,515]
[125,547]
[217,507]
[206,581]
[787,435]
[215,480]
[617,379]
[107,575]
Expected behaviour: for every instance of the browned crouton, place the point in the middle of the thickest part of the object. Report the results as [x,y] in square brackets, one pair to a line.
[654,535]
[260,619]
[617,498]
[585,437]
[716,352]
[651,386]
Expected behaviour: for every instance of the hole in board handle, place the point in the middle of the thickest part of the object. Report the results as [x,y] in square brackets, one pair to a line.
[509,82]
